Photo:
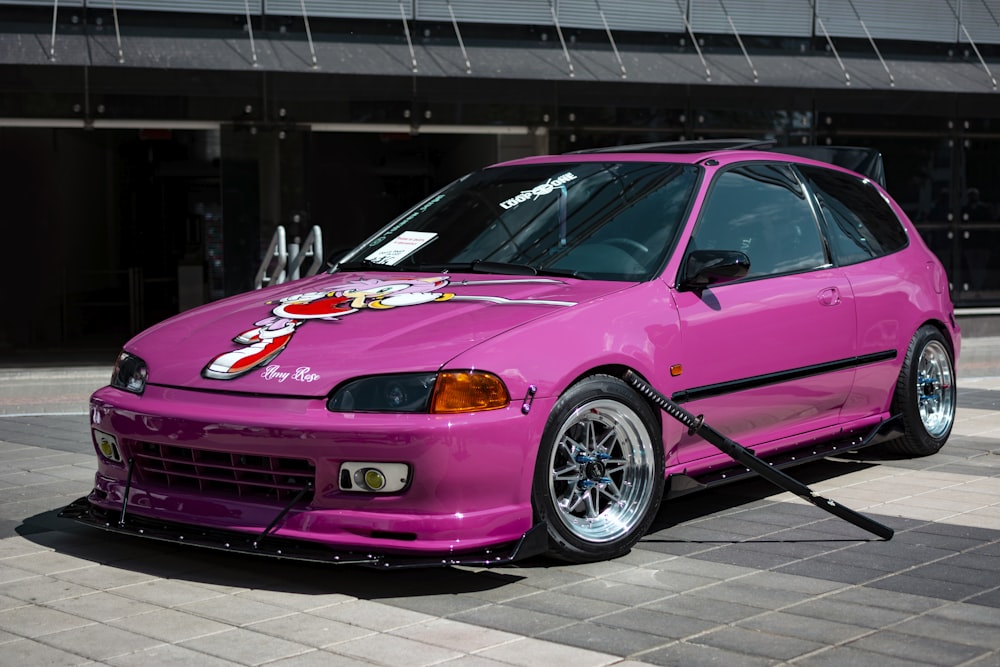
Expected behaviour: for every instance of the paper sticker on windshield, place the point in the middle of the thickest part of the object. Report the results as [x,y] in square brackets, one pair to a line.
[401,247]
[546,188]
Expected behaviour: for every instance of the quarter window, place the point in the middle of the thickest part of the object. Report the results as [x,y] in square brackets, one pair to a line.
[762,210]
[860,222]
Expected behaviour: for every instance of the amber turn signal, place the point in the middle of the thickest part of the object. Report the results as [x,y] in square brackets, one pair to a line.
[468,391]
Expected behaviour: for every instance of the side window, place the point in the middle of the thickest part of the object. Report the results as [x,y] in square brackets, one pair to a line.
[761,210]
[861,223]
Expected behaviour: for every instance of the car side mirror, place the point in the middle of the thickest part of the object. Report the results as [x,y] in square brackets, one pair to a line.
[705,268]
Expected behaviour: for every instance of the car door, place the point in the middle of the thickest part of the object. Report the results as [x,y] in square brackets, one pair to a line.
[768,356]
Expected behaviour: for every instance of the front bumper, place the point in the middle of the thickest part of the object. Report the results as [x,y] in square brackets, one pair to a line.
[534,542]
[470,488]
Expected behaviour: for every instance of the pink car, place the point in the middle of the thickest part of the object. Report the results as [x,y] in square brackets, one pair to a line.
[453,390]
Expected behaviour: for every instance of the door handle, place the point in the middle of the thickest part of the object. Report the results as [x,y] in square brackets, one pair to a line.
[829,296]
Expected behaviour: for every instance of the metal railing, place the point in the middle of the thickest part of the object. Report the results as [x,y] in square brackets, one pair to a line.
[283,261]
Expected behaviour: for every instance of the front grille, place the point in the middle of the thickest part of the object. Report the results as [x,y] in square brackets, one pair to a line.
[246,476]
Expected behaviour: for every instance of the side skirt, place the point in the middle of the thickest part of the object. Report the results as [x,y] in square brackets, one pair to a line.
[681,484]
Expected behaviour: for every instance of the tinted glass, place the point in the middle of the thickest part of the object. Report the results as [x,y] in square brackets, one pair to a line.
[612,221]
[860,223]
[762,210]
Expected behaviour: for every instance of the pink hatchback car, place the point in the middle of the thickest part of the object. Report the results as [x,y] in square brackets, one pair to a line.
[453,391]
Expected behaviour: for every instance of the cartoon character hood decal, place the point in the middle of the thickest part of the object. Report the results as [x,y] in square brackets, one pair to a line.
[303,338]
[269,336]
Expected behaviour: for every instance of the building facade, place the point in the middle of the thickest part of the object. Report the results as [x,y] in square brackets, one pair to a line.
[149,148]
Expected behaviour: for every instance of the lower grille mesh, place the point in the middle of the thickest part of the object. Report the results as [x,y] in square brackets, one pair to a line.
[247,476]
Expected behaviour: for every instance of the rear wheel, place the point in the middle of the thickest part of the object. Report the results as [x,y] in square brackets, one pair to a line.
[599,475]
[925,394]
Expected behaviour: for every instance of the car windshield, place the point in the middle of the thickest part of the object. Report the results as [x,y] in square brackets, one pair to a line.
[598,220]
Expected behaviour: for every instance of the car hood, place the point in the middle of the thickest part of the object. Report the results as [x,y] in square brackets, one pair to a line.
[305,337]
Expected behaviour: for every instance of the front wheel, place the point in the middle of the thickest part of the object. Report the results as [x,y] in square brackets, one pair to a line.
[925,394]
[599,475]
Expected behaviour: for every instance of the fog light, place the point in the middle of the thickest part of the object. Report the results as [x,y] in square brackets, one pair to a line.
[374,476]
[107,445]
[373,479]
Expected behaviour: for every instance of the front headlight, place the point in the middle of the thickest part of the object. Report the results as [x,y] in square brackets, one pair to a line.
[129,374]
[384,393]
[446,392]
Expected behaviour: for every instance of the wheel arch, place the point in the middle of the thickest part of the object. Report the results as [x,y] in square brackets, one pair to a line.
[618,371]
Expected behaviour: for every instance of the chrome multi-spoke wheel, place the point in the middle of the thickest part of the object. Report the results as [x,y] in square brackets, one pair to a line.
[934,390]
[599,476]
[925,394]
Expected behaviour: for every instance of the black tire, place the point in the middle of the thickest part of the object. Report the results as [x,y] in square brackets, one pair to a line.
[925,394]
[599,475]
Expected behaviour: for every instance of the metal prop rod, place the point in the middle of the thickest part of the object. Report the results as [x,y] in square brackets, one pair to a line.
[961,25]
[128,489]
[739,40]
[555,22]
[461,43]
[694,41]
[829,42]
[118,33]
[281,515]
[253,47]
[409,41]
[739,453]
[871,40]
[982,62]
[52,45]
[309,35]
[611,38]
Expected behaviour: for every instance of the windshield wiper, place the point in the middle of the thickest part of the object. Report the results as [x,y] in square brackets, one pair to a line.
[514,269]
[362,264]
[478,266]
[508,268]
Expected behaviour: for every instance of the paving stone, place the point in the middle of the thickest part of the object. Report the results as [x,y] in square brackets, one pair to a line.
[668,626]
[962,632]
[34,653]
[522,622]
[618,592]
[394,650]
[529,652]
[98,642]
[171,655]
[692,606]
[752,596]
[102,606]
[310,630]
[919,649]
[695,655]
[917,585]
[44,590]
[762,644]
[828,609]
[839,656]
[790,624]
[35,621]
[245,647]
[845,573]
[454,635]
[227,609]
[615,641]
[566,605]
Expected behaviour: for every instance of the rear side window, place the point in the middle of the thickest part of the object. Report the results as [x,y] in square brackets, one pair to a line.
[861,224]
[763,211]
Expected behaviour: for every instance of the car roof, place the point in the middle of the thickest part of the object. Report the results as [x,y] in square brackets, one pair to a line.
[861,160]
